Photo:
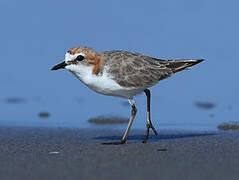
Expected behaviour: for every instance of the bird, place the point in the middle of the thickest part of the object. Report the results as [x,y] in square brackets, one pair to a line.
[122,74]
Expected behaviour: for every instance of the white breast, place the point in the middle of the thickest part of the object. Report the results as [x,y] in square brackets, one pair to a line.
[103,84]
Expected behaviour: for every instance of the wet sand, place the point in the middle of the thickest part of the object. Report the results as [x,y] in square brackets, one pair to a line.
[64,153]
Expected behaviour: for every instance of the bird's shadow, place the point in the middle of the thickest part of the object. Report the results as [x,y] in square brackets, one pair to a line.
[154,137]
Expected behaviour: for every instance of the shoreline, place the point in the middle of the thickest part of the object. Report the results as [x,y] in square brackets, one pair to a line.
[73,153]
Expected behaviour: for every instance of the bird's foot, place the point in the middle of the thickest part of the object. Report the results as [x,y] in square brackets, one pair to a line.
[114,143]
[149,125]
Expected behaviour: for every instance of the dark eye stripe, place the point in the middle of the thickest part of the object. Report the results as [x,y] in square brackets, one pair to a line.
[79,58]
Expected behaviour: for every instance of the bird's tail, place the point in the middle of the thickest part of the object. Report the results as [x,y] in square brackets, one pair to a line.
[179,65]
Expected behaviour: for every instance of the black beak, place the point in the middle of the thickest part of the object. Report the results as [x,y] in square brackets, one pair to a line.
[59,66]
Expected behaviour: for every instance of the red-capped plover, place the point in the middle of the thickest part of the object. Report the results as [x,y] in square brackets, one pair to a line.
[123,74]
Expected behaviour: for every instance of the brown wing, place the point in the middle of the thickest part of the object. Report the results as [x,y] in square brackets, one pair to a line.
[136,70]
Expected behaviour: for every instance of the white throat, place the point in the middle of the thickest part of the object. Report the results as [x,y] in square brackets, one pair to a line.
[98,83]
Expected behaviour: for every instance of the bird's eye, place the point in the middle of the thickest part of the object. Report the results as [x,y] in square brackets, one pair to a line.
[79,58]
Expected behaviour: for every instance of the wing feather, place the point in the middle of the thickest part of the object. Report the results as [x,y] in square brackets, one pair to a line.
[137,70]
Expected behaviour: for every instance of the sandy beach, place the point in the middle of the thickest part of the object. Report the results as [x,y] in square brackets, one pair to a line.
[65,153]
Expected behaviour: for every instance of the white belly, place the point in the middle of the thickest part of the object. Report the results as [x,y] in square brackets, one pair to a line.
[104,84]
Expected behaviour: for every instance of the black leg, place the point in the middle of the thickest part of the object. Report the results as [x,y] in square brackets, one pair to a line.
[148,123]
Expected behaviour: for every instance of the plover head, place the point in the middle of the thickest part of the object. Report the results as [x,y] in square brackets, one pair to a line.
[79,58]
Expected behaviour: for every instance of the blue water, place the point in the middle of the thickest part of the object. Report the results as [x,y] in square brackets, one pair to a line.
[35,35]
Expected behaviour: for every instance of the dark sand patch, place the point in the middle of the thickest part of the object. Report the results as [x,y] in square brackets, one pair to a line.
[15,100]
[205,105]
[44,114]
[108,120]
[229,126]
